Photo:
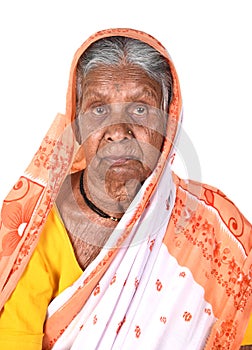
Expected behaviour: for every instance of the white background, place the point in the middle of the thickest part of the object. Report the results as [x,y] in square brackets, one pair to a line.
[209,41]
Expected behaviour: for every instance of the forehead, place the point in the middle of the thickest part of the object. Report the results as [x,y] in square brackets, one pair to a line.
[125,82]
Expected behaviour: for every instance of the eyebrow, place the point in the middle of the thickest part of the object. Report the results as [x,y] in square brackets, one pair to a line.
[93,95]
[145,92]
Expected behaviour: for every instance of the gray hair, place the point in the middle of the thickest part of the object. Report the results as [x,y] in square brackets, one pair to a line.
[114,51]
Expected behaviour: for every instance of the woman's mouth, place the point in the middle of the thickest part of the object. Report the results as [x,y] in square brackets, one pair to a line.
[119,160]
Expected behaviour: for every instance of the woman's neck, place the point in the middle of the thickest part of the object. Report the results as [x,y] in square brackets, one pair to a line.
[110,195]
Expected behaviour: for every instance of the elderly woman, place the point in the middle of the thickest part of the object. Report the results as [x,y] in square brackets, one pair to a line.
[102,246]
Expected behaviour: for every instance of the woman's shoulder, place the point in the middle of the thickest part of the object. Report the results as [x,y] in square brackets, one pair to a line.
[207,202]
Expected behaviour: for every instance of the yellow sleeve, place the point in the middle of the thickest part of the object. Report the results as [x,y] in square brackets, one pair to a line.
[52,268]
[247,340]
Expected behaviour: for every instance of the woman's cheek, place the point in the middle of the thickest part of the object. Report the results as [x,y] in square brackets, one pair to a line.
[90,150]
[153,138]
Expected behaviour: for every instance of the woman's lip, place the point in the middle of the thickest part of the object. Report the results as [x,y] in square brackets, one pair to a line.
[116,160]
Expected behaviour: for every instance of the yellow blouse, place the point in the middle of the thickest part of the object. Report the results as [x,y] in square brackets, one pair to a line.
[52,268]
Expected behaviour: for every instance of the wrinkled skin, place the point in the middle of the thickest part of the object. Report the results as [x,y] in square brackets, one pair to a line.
[122,130]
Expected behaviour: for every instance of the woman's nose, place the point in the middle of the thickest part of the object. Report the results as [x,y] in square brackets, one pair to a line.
[118,132]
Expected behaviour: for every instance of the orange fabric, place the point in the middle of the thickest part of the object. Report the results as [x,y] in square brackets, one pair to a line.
[28,204]
[26,207]
[209,226]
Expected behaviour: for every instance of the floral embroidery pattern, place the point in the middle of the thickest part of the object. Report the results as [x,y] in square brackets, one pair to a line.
[52,154]
[152,242]
[95,319]
[97,290]
[159,285]
[52,160]
[163,319]
[113,280]
[187,316]
[137,331]
[31,237]
[225,335]
[208,311]
[235,224]
[15,218]
[182,274]
[20,189]
[202,234]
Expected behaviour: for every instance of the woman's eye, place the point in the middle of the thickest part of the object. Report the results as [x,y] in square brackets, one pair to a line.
[99,111]
[140,111]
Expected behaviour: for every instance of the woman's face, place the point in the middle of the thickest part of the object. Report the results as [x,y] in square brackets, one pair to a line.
[121,123]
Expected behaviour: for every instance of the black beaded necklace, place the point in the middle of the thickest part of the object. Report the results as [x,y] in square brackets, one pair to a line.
[91,205]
